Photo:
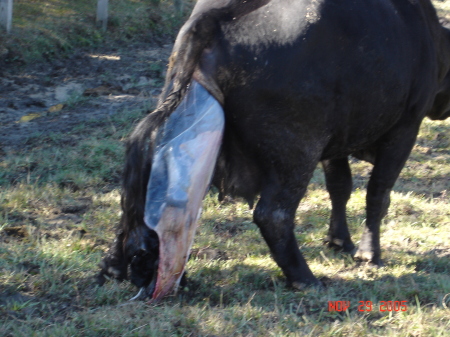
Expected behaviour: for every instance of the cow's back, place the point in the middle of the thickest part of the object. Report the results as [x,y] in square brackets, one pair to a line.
[338,74]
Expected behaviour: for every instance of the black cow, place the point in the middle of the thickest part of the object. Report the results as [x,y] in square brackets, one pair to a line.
[299,82]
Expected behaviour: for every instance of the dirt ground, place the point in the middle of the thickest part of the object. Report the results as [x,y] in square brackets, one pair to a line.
[44,98]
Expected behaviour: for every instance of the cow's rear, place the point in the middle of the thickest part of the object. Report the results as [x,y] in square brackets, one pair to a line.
[300,82]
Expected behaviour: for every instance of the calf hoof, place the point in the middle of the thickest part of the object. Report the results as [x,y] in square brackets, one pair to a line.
[337,244]
[143,294]
[369,257]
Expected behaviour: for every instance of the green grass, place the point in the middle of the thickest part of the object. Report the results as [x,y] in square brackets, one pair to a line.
[60,203]
[58,214]
[55,28]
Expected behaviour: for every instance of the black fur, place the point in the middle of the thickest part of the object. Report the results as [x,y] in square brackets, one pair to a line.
[301,82]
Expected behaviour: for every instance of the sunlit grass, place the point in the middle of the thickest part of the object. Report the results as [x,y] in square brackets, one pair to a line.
[53,234]
[52,237]
[442,7]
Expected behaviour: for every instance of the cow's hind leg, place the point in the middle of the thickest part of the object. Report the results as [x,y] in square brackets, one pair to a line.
[339,185]
[274,215]
[389,162]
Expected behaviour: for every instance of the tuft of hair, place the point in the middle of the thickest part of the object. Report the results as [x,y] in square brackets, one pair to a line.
[138,164]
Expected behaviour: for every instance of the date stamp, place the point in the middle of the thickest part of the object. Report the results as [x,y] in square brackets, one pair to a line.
[367,306]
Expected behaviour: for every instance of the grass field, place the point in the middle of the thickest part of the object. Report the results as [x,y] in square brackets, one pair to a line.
[59,205]
[43,30]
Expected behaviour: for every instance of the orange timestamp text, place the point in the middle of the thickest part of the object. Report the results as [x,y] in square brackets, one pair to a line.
[382,306]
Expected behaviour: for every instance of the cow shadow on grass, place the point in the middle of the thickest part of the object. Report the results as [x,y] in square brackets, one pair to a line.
[231,291]
[247,296]
[242,284]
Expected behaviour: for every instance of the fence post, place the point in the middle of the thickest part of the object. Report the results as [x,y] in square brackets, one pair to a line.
[178,6]
[6,14]
[102,13]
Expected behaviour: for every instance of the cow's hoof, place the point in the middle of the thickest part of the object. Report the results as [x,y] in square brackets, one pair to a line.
[100,279]
[303,285]
[368,256]
[337,244]
[299,285]
[325,281]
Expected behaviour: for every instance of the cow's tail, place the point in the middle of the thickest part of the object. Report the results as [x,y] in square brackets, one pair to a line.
[196,35]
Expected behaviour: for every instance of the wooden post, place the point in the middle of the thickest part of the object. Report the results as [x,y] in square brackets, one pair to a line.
[178,6]
[102,13]
[6,14]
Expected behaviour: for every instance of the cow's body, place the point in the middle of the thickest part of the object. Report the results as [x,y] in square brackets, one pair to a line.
[302,82]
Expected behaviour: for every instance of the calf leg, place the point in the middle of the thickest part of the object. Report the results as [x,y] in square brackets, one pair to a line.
[389,162]
[339,185]
[274,215]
